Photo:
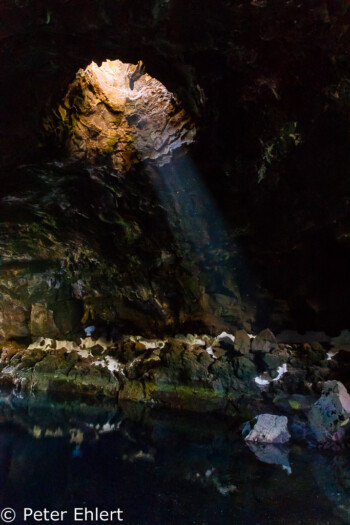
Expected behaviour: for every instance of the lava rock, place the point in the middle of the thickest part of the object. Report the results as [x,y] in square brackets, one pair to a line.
[42,322]
[244,368]
[195,365]
[272,362]
[133,391]
[295,382]
[151,125]
[315,353]
[13,318]
[10,349]
[222,373]
[267,428]
[330,414]
[242,342]
[227,340]
[293,403]
[265,341]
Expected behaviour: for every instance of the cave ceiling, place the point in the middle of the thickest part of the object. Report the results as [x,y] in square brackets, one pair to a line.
[241,221]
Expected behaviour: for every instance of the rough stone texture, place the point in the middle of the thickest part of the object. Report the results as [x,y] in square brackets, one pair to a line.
[226,340]
[242,342]
[330,414]
[272,362]
[118,253]
[107,114]
[265,341]
[38,301]
[268,429]
[244,368]
[173,372]
[42,323]
[293,402]
[9,349]
[267,84]
[315,352]
[168,373]
[13,318]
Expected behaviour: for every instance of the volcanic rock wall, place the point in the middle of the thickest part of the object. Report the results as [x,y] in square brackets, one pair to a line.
[267,86]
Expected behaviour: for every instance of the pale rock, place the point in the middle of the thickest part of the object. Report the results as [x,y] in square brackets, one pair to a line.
[268,428]
[330,414]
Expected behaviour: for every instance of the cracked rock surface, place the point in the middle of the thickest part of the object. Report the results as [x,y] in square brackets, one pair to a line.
[119,111]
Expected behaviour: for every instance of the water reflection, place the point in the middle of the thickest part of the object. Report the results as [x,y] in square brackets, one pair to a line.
[160,467]
[272,454]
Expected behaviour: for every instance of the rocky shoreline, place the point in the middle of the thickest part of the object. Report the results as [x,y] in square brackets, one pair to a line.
[241,375]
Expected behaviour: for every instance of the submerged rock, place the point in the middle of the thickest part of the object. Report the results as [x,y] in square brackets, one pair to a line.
[267,428]
[330,414]
[293,403]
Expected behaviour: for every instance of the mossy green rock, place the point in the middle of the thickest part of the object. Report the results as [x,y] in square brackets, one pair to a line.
[272,362]
[132,391]
[244,368]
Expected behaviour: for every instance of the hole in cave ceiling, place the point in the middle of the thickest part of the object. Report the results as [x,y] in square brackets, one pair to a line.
[118,110]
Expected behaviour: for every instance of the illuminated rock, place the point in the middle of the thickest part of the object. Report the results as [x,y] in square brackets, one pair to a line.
[118,111]
[267,428]
[13,318]
[42,321]
[330,414]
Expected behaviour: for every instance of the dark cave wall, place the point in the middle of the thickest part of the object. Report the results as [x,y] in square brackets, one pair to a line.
[268,84]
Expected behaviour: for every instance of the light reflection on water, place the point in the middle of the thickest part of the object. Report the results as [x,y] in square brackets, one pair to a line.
[161,467]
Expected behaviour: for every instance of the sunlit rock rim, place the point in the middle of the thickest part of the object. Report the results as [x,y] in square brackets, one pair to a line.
[119,111]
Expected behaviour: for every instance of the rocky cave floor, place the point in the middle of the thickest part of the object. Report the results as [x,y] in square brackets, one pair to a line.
[240,376]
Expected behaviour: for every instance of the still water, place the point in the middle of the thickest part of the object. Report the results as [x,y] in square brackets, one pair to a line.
[157,468]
